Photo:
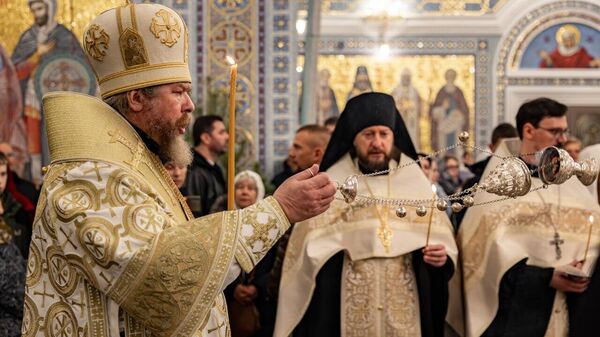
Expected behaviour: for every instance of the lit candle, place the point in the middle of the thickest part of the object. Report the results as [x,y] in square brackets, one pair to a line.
[587,245]
[231,158]
[434,190]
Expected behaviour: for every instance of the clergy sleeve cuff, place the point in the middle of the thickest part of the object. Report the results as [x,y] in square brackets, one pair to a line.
[262,224]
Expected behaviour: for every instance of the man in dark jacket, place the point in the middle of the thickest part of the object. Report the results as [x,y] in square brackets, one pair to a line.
[205,177]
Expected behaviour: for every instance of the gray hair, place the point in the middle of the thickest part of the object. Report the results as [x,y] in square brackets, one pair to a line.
[119,101]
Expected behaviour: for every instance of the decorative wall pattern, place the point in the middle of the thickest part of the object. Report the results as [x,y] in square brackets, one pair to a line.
[281,100]
[231,28]
[416,7]
[512,46]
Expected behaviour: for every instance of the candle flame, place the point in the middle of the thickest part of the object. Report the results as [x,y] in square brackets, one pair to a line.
[433,188]
[591,218]
[230,60]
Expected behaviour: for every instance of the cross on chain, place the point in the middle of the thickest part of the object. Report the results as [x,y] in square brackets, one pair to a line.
[44,294]
[557,242]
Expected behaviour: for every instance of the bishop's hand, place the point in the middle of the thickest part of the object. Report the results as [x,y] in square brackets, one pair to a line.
[305,194]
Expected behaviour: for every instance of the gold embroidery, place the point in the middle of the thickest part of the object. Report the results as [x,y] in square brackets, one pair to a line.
[529,217]
[96,42]
[379,298]
[47,222]
[166,65]
[74,198]
[84,268]
[137,149]
[260,229]
[60,321]
[123,189]
[166,79]
[164,22]
[44,293]
[133,327]
[34,264]
[401,296]
[85,242]
[358,298]
[143,221]
[62,276]
[99,238]
[31,318]
[173,278]
[185,44]
[132,49]
[97,322]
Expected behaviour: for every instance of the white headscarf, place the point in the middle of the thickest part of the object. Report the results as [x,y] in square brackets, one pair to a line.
[260,187]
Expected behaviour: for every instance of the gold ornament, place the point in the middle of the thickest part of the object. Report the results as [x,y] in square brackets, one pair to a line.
[421,211]
[463,137]
[96,42]
[468,201]
[401,212]
[165,27]
[456,207]
[441,204]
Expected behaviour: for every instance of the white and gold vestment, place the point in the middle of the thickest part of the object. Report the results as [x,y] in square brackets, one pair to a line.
[549,227]
[378,287]
[115,246]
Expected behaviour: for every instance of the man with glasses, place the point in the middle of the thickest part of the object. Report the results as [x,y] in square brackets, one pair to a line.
[541,123]
[517,252]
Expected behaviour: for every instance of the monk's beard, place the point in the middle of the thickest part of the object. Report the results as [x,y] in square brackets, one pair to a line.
[171,145]
[373,165]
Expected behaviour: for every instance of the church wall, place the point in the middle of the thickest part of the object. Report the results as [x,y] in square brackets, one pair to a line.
[519,76]
[500,37]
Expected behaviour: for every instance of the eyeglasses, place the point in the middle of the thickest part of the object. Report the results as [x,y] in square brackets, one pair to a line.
[556,132]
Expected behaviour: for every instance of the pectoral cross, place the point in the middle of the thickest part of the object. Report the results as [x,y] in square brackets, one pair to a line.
[557,242]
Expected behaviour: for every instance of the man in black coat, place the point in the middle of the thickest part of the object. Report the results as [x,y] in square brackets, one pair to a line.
[205,177]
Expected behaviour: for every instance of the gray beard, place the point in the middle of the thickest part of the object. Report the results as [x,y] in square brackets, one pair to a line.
[176,151]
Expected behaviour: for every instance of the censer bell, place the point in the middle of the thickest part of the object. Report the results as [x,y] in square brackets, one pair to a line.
[510,179]
[557,166]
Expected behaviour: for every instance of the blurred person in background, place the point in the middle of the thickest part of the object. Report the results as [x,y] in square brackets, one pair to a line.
[573,146]
[246,295]
[451,181]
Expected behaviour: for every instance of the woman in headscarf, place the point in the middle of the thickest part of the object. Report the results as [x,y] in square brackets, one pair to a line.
[247,293]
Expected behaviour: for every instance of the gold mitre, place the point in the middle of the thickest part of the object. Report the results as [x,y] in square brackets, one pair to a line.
[136,46]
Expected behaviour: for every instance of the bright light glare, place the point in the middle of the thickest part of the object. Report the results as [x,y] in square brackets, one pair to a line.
[301,26]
